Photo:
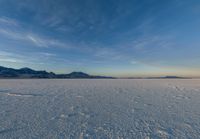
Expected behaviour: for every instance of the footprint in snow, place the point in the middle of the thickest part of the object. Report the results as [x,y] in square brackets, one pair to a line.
[23,95]
[162,134]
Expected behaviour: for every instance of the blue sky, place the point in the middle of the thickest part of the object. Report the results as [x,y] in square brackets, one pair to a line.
[105,37]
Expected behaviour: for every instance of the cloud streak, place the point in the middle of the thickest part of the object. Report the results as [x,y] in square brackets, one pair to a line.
[32,39]
[8,21]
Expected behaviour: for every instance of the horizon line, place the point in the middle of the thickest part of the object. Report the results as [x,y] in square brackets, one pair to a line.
[118,77]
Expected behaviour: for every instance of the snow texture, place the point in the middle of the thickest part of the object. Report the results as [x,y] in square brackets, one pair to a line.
[100,109]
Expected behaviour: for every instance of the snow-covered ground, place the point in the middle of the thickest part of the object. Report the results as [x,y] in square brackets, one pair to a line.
[99,109]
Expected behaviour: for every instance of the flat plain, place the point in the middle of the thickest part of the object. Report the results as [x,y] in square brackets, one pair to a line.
[100,109]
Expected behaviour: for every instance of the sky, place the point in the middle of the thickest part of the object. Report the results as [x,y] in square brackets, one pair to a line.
[120,38]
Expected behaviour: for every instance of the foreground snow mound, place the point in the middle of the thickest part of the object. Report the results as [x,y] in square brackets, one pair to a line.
[102,109]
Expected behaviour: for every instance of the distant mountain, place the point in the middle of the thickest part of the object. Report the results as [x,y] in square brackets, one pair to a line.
[30,73]
[171,77]
[165,77]
[75,75]
[168,77]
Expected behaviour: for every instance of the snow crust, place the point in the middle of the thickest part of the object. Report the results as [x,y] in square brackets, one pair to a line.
[100,109]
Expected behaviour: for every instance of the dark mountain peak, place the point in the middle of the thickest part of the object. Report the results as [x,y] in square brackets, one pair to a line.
[78,75]
[77,72]
[26,71]
[2,68]
[26,68]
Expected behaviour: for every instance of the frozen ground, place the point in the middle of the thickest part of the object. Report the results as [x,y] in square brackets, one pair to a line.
[99,109]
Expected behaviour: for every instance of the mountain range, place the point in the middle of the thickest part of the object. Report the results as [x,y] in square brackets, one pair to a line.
[30,73]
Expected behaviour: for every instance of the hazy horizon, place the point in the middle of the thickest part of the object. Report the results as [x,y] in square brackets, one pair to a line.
[117,75]
[132,38]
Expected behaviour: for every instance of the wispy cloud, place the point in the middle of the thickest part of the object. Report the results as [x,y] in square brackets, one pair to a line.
[47,54]
[30,59]
[32,39]
[8,21]
[109,54]
[11,57]
[53,21]
[15,30]
[11,60]
[12,34]
[134,62]
[46,42]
